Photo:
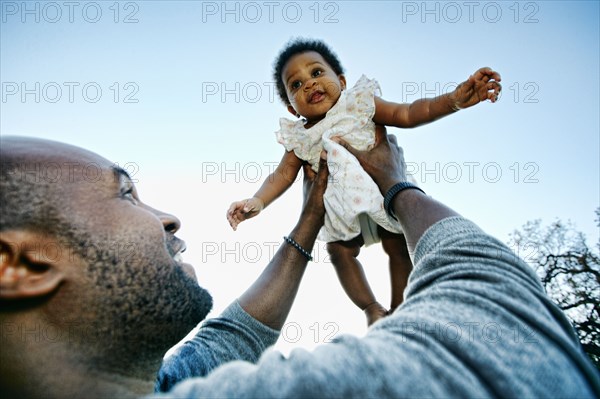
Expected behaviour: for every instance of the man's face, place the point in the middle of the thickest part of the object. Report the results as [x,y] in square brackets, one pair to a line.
[125,280]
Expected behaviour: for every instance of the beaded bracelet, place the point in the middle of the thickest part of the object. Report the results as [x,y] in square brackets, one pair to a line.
[293,243]
[392,192]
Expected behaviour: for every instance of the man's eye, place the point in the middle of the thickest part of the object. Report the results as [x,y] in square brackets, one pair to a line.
[128,195]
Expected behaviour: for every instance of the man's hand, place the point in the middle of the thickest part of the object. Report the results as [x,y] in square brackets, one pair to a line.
[482,85]
[314,188]
[242,210]
[415,211]
[384,162]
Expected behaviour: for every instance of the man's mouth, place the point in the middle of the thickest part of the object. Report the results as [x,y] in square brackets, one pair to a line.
[179,249]
[178,258]
[176,252]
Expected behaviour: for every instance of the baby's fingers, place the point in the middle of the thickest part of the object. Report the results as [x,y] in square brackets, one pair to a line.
[486,74]
[232,213]
[233,207]
[491,74]
[232,222]
[495,76]
[494,89]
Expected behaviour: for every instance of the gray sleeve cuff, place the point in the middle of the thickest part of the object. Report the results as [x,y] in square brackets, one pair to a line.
[235,312]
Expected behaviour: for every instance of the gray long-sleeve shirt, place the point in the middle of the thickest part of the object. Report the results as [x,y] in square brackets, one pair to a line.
[475,323]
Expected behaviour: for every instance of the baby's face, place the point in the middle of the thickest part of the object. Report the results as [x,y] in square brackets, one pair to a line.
[311,85]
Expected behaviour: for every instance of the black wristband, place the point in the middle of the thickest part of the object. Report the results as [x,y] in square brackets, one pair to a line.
[303,251]
[392,192]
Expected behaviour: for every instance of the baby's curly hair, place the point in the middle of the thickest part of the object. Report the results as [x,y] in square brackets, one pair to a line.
[298,46]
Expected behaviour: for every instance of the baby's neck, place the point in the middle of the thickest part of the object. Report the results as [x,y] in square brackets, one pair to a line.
[308,124]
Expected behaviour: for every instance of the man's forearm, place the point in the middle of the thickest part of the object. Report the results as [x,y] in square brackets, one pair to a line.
[416,213]
[270,298]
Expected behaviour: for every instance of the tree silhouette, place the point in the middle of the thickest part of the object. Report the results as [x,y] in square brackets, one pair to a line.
[570,273]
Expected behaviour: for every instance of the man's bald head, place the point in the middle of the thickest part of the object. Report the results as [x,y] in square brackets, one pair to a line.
[37,179]
[29,183]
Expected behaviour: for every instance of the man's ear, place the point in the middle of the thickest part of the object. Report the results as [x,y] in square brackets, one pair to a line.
[31,265]
[342,79]
[292,111]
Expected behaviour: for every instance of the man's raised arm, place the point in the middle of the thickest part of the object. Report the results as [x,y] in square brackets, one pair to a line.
[252,323]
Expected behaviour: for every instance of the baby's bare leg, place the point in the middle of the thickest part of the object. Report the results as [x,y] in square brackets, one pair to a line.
[400,264]
[352,277]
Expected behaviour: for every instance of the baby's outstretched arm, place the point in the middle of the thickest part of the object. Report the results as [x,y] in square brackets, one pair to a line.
[275,185]
[482,85]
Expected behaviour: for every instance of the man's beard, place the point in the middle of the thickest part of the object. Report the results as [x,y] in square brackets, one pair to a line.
[143,306]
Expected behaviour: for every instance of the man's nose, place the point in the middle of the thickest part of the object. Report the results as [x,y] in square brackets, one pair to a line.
[170,222]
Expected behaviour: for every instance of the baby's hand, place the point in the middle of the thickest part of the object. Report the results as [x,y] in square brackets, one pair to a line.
[242,210]
[482,85]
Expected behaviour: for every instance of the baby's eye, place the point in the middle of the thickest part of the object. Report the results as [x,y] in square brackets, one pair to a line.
[316,73]
[296,84]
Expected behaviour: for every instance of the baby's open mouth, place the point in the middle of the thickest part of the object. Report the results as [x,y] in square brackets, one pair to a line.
[315,97]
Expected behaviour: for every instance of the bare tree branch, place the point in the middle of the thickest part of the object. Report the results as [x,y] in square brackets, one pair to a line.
[570,273]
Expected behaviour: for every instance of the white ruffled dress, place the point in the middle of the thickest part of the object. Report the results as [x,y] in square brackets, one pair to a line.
[353,202]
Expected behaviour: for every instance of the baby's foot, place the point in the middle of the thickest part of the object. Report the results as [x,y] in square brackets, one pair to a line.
[374,312]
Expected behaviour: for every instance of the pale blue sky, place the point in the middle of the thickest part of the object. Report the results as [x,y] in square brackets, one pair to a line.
[205,110]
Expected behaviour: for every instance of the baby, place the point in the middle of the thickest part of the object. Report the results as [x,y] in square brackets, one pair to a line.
[310,81]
